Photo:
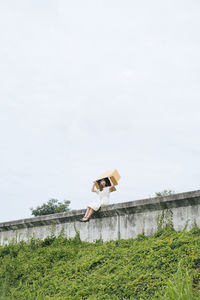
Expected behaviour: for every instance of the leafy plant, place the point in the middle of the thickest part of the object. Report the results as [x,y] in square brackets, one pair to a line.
[144,268]
[51,207]
[164,193]
[179,287]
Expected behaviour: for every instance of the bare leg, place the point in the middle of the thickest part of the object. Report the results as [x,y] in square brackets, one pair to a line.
[90,213]
[86,213]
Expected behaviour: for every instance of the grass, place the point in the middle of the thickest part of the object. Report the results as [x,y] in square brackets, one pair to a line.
[163,266]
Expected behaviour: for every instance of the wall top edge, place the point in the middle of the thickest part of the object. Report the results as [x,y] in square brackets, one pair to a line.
[110,209]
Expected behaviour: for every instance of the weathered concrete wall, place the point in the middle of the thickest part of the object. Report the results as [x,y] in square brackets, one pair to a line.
[121,220]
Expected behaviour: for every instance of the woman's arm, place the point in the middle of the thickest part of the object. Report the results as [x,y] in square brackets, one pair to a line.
[110,187]
[93,189]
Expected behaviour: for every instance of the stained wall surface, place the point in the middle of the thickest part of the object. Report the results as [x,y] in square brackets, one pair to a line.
[117,221]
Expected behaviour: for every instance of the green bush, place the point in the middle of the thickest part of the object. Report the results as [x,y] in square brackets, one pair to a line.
[179,287]
[141,268]
[52,206]
[164,193]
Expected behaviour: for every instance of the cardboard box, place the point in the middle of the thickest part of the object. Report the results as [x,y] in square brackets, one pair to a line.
[109,176]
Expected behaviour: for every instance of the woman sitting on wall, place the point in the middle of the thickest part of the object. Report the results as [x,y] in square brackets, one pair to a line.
[104,196]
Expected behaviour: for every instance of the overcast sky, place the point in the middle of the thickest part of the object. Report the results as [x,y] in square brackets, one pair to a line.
[90,86]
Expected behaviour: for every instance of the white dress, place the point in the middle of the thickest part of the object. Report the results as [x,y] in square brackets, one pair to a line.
[104,197]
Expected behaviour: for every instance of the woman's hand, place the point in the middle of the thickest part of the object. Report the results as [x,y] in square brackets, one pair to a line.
[111,183]
[93,190]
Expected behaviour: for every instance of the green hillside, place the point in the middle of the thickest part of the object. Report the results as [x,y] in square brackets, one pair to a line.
[163,266]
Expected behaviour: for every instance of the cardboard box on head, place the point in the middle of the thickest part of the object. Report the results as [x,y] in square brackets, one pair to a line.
[109,176]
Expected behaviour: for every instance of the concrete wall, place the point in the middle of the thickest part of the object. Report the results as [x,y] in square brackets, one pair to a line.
[115,221]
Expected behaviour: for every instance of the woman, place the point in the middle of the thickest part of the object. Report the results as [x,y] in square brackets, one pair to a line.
[104,194]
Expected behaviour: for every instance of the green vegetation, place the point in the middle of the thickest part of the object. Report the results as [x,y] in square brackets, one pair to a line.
[52,206]
[163,266]
[164,193]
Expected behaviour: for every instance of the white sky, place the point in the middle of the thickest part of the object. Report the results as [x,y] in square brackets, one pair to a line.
[90,86]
